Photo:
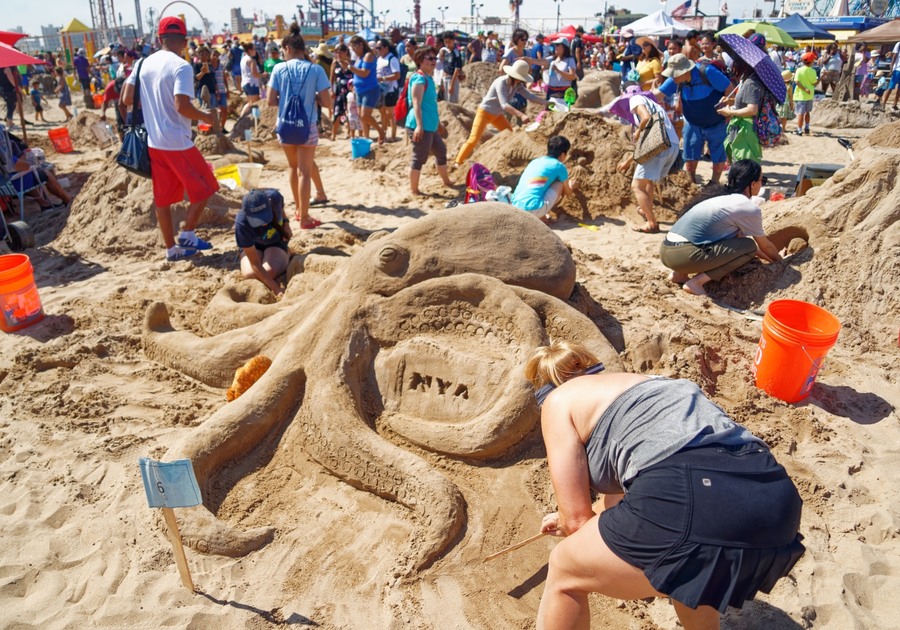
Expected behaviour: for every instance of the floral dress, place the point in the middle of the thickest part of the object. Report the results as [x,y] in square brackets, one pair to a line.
[342,83]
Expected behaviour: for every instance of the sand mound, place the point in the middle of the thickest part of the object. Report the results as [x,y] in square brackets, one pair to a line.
[479,76]
[80,130]
[597,146]
[114,214]
[837,115]
[887,136]
[213,144]
[598,88]
[853,226]
[264,130]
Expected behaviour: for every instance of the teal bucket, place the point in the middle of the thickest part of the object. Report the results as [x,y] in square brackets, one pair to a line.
[360,147]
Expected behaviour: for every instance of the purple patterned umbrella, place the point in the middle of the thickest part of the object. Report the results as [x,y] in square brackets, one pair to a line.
[758,60]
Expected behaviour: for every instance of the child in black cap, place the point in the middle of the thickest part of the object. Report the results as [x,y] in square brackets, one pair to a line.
[262,233]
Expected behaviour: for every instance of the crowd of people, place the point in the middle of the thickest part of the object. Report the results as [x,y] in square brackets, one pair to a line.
[678,455]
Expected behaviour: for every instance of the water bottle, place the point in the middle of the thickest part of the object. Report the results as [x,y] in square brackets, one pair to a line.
[74,111]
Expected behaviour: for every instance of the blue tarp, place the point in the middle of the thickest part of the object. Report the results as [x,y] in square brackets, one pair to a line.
[799,28]
[368,34]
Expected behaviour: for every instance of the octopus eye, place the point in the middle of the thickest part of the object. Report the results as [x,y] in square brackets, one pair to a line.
[392,259]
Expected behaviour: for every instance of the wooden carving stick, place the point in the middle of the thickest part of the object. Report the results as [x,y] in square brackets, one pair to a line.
[503,552]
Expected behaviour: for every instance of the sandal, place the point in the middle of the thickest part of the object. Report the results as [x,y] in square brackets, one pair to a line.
[318,202]
[647,229]
[311,224]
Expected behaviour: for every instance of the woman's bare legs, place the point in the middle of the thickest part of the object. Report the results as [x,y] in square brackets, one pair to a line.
[251,100]
[643,192]
[583,564]
[301,160]
[368,120]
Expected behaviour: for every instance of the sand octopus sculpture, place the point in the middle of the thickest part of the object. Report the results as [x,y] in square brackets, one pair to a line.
[421,334]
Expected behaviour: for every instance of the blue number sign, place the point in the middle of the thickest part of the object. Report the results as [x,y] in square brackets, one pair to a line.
[170,484]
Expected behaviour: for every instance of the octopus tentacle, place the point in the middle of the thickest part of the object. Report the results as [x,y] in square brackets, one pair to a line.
[230,434]
[231,308]
[211,360]
[561,321]
[334,435]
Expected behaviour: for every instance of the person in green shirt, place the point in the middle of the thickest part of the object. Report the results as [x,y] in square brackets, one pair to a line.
[273,60]
[805,79]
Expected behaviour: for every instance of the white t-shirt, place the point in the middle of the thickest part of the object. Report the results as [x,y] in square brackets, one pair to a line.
[895,66]
[247,77]
[389,64]
[653,108]
[163,75]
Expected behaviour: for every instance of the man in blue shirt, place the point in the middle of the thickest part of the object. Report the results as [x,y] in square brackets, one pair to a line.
[235,60]
[545,180]
[630,53]
[83,71]
[701,88]
[537,52]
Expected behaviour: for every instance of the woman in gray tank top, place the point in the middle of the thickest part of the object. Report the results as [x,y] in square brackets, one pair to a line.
[695,507]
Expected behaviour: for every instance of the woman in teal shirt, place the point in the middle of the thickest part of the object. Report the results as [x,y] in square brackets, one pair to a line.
[422,123]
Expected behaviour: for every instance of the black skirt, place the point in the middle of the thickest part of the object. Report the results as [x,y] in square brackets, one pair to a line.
[709,526]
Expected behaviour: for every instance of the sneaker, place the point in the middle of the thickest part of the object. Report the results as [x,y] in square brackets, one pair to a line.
[180,253]
[799,132]
[195,243]
[806,131]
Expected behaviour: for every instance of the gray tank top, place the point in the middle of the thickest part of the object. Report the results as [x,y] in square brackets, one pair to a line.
[651,421]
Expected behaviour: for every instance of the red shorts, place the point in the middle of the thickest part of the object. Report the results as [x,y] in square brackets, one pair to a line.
[177,172]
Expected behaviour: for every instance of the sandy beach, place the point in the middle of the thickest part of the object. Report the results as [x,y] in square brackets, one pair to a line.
[81,400]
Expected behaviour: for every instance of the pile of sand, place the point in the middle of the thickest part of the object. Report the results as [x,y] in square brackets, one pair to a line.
[840,115]
[214,144]
[597,147]
[80,129]
[114,214]
[598,88]
[264,130]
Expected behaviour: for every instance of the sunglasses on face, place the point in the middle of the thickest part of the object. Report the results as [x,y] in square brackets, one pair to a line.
[429,58]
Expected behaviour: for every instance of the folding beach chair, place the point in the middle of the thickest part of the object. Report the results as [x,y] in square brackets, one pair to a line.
[15,183]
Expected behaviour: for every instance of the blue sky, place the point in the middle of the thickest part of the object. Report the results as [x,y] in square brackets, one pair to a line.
[31,15]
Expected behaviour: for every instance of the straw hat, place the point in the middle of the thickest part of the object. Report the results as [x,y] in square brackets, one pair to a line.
[640,41]
[519,70]
[322,50]
[787,75]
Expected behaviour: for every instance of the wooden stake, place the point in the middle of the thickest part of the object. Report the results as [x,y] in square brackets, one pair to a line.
[503,552]
[175,539]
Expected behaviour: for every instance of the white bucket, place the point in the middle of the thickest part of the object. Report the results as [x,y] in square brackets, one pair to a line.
[249,174]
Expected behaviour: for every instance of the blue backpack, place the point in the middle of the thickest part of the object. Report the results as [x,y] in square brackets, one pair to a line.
[293,124]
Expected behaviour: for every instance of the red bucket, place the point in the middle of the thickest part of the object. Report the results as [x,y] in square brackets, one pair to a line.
[20,303]
[796,336]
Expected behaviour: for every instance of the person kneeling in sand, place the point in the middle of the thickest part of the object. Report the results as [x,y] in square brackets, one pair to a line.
[262,233]
[720,230]
[545,180]
[695,507]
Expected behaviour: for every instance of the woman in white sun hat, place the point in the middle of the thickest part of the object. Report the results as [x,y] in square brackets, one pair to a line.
[497,103]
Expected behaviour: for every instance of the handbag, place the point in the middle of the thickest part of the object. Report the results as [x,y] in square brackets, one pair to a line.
[653,141]
[134,155]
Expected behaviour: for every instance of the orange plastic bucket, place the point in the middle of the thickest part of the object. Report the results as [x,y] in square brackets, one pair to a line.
[61,140]
[20,304]
[796,336]
[98,100]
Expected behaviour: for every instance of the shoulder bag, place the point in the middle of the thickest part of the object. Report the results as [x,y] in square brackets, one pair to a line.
[654,139]
[134,155]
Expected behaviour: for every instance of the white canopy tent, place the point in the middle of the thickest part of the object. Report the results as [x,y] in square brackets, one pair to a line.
[659,24]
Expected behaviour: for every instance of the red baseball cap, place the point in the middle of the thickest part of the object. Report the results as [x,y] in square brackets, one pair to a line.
[172,26]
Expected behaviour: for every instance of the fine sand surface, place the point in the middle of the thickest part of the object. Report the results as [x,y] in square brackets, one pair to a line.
[80,401]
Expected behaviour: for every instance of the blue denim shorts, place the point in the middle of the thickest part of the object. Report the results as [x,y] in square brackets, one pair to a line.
[251,90]
[368,99]
[695,137]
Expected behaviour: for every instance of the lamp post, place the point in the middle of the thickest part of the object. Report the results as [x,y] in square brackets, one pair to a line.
[558,10]
[477,15]
[410,12]
[443,11]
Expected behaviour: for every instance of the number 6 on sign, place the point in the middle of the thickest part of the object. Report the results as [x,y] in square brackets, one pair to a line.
[169,485]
